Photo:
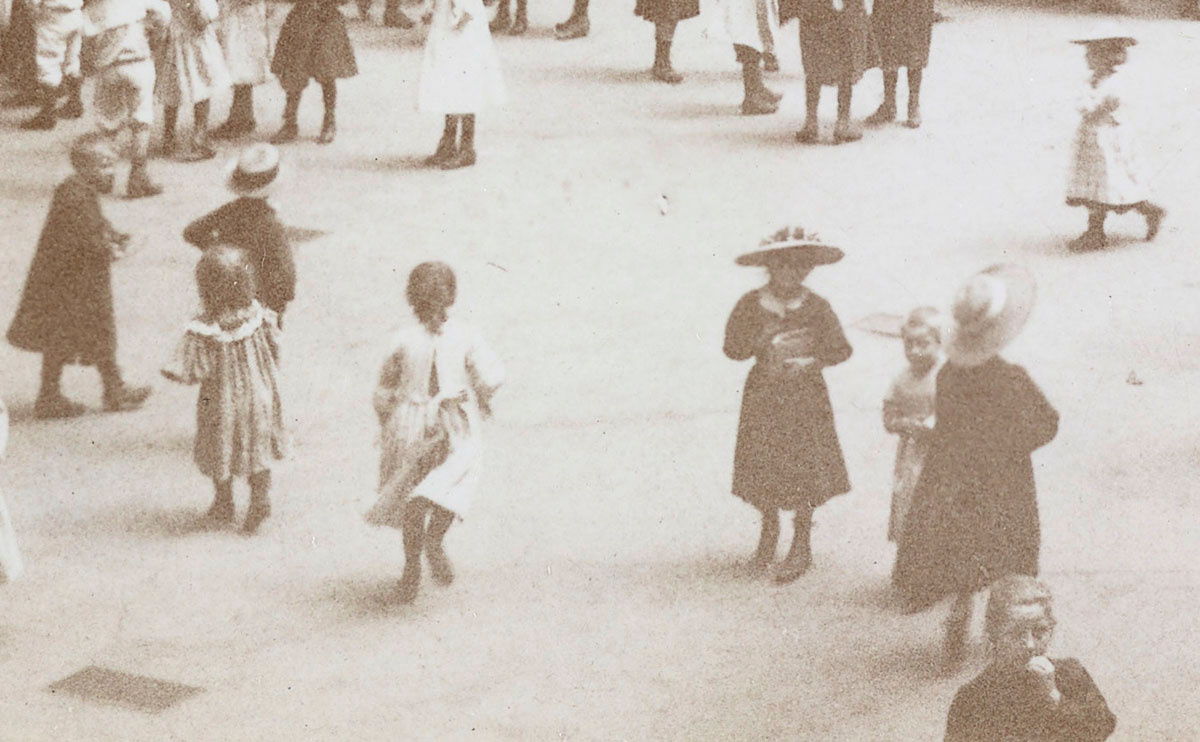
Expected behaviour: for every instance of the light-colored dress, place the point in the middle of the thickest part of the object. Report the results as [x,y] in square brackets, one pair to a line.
[191,67]
[244,29]
[239,418]
[460,72]
[910,399]
[750,23]
[466,371]
[1107,167]
[11,565]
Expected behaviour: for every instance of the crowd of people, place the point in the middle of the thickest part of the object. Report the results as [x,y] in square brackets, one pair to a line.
[964,511]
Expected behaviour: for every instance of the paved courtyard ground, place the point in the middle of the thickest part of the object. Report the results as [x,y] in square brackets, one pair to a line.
[599,595]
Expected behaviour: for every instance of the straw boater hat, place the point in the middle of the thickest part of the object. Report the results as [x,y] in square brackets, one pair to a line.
[792,245]
[254,170]
[1107,31]
[989,312]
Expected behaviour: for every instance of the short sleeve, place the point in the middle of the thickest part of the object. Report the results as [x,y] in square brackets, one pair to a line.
[484,367]
[191,363]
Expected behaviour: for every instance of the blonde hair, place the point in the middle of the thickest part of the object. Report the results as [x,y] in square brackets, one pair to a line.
[1015,591]
[923,319]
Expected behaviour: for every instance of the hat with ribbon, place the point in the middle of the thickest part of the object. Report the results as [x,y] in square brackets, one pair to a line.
[792,245]
[254,170]
[989,311]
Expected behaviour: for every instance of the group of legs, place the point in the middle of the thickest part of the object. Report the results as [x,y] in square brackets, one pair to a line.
[221,510]
[799,556]
[53,404]
[1095,238]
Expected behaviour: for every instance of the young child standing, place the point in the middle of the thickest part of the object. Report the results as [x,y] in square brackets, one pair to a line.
[312,45]
[788,456]
[245,33]
[1107,174]
[1023,694]
[903,30]
[232,351]
[191,67]
[908,410]
[434,392]
[974,514]
[11,565]
[460,76]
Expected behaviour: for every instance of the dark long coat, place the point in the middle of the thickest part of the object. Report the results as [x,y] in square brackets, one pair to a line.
[787,454]
[836,47]
[660,11]
[251,225]
[313,45]
[66,307]
[903,30]
[1001,705]
[974,516]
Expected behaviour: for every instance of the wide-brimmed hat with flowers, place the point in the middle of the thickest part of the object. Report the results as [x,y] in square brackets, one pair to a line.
[792,245]
[254,170]
[1106,31]
[989,311]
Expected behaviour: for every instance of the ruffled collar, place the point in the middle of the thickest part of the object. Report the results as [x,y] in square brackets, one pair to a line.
[237,326]
[773,304]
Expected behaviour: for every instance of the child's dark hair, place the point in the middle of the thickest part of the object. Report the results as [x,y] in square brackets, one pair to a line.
[1009,592]
[225,280]
[431,290]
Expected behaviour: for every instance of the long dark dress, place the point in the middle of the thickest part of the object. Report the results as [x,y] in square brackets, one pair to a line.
[974,516]
[836,47]
[667,11]
[313,45]
[1002,705]
[66,308]
[787,454]
[251,224]
[903,30]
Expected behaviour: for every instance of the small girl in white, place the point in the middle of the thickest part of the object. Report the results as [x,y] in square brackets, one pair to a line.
[1107,174]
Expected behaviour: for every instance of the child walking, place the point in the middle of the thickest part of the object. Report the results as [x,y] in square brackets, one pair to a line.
[11,565]
[312,45]
[1107,173]
[908,410]
[460,76]
[974,514]
[191,67]
[232,351]
[788,456]
[434,392]
[1023,694]
[903,30]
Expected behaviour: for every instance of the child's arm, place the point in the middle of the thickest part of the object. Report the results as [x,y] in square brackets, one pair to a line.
[1081,713]
[389,381]
[745,334]
[205,231]
[832,346]
[486,372]
[1027,421]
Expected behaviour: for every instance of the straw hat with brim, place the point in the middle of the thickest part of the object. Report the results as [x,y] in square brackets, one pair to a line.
[1107,31]
[989,312]
[253,172]
[791,247]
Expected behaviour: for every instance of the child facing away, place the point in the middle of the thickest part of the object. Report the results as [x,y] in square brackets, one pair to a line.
[434,392]
[908,409]
[1107,174]
[232,351]
[1023,694]
[11,566]
[313,45]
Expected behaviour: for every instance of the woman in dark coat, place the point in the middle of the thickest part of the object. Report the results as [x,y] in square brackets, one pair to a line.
[66,309]
[665,15]
[974,516]
[788,456]
[903,30]
[312,45]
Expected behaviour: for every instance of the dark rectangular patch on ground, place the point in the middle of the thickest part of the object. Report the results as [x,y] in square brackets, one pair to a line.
[138,692]
[881,324]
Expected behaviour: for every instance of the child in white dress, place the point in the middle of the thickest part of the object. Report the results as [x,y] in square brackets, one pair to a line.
[1107,174]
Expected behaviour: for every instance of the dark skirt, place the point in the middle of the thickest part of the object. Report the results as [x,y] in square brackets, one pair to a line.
[835,48]
[788,455]
[18,48]
[313,45]
[903,29]
[667,11]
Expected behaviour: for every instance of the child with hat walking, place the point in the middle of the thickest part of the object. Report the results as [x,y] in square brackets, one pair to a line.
[460,76]
[1023,694]
[232,351]
[974,515]
[250,223]
[788,456]
[313,45]
[1107,174]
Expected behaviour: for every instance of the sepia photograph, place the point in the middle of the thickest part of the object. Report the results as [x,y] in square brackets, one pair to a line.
[600,370]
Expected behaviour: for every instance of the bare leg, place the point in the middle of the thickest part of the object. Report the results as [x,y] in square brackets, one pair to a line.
[414,542]
[812,99]
[914,98]
[768,541]
[440,520]
[799,556]
[887,109]
[664,34]
[844,131]
[260,501]
[329,124]
[221,510]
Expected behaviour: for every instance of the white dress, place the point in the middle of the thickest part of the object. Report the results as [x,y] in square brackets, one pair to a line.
[11,566]
[192,66]
[752,23]
[1107,167]
[244,29]
[466,370]
[460,71]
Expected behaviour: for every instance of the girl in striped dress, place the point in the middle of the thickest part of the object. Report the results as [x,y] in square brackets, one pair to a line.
[232,351]
[1107,174]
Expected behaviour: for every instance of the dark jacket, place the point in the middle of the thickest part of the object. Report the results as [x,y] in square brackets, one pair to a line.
[251,225]
[66,307]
